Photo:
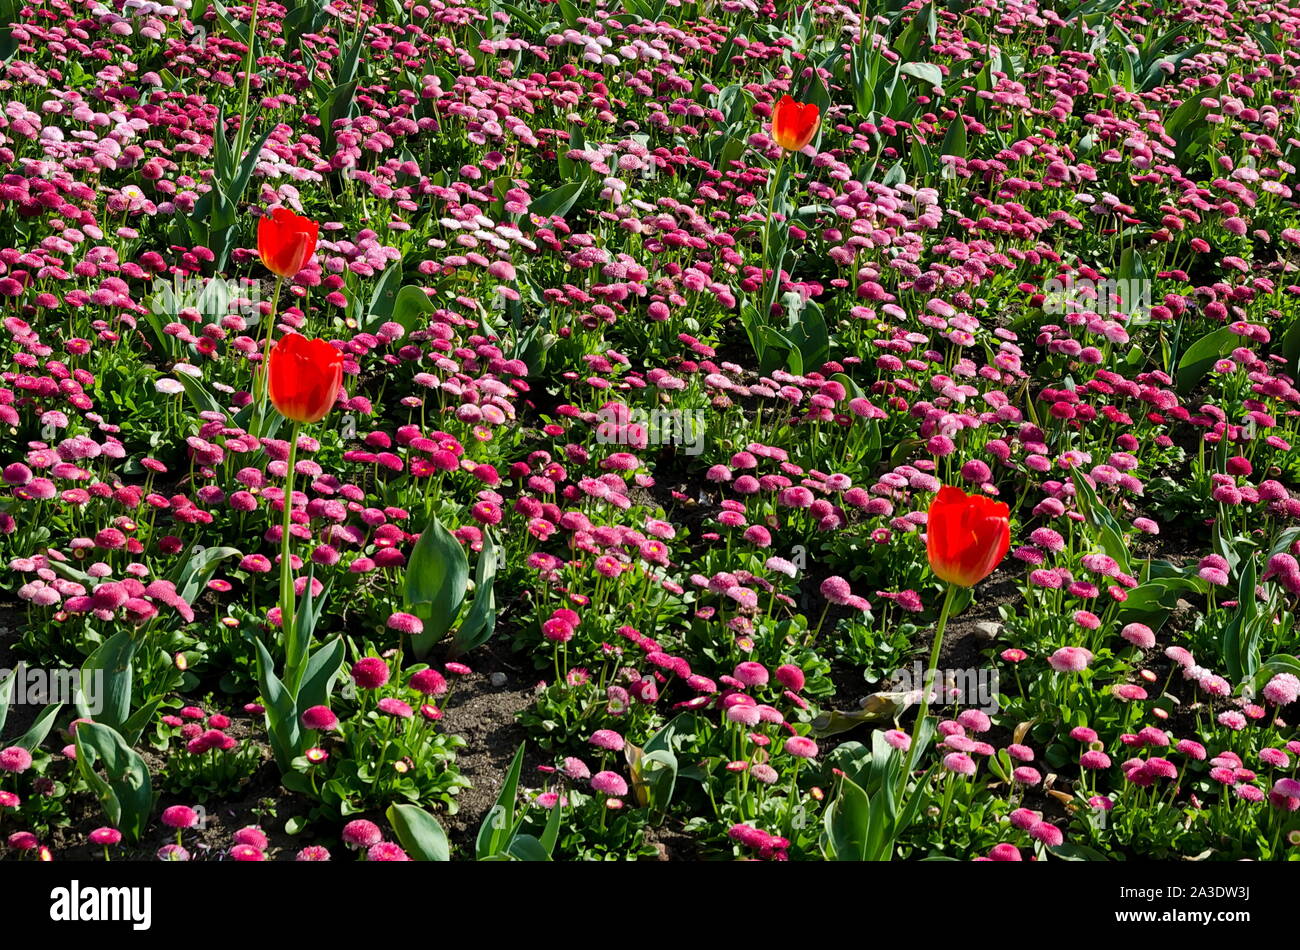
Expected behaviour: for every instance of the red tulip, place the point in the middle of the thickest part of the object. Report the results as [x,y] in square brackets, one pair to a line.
[967,536]
[286,241]
[305,376]
[794,123]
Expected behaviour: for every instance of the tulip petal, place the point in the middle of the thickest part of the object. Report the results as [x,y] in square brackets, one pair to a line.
[286,241]
[966,536]
[304,377]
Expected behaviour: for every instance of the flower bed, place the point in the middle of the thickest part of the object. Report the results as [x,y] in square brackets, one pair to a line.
[653,430]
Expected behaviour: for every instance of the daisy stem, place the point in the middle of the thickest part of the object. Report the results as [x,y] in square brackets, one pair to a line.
[792,799]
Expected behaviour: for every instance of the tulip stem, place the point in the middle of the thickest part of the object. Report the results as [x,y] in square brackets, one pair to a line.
[765,307]
[266,359]
[248,75]
[287,618]
[926,685]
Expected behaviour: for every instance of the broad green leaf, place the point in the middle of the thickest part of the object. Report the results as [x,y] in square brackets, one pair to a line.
[319,676]
[1076,852]
[411,308]
[498,826]
[918,800]
[928,73]
[35,735]
[528,848]
[198,570]
[1201,356]
[1152,603]
[203,400]
[419,833]
[282,726]
[436,579]
[383,302]
[848,822]
[135,724]
[494,827]
[1111,535]
[481,618]
[557,202]
[921,28]
[1236,644]
[126,794]
[551,833]
[106,681]
[954,141]
[6,696]
[1290,348]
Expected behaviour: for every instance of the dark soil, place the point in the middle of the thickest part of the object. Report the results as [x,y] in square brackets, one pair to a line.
[485,717]
[962,644]
[672,844]
[482,713]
